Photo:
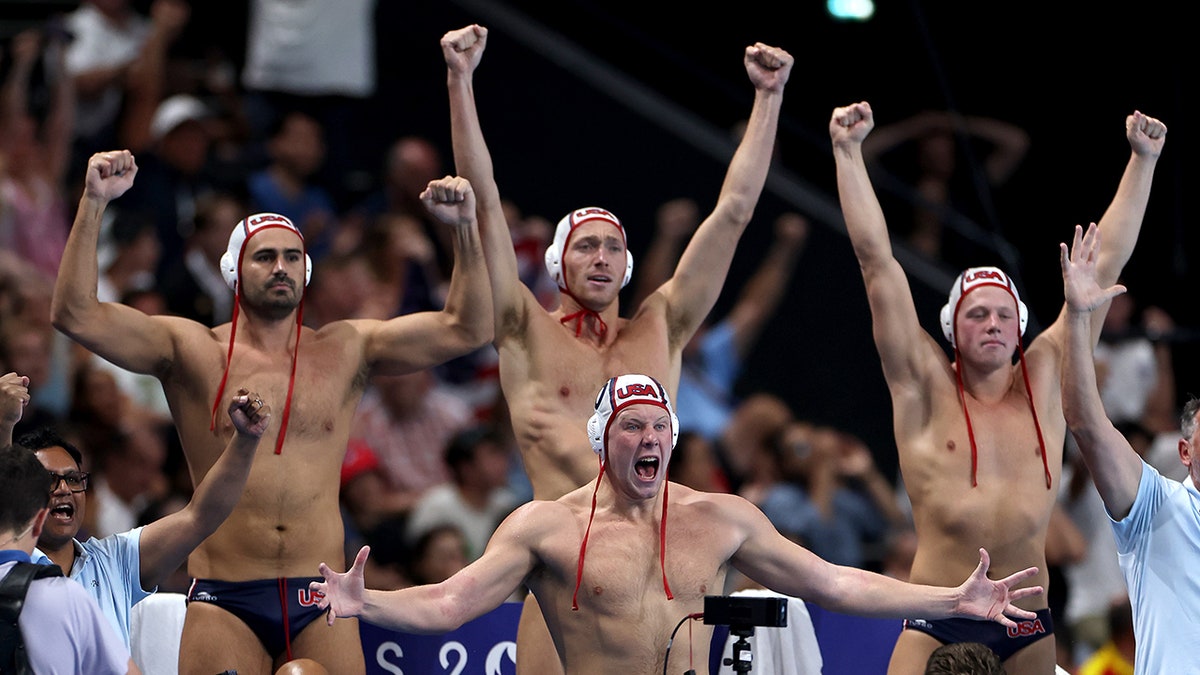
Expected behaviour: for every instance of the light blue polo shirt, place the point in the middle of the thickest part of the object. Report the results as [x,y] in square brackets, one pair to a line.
[110,569]
[1158,544]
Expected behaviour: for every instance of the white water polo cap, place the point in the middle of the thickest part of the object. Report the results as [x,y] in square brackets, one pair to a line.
[974,278]
[620,393]
[562,238]
[231,261]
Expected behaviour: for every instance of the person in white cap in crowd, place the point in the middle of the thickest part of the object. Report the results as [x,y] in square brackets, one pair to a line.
[619,563]
[175,174]
[551,362]
[288,518]
[1156,520]
[980,438]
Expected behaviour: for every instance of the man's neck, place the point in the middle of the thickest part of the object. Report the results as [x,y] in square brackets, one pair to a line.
[593,325]
[267,331]
[63,556]
[988,386]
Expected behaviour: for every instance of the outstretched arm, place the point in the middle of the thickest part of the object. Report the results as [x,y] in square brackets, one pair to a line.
[898,335]
[416,341]
[463,49]
[118,333]
[693,290]
[783,566]
[1115,467]
[478,588]
[166,543]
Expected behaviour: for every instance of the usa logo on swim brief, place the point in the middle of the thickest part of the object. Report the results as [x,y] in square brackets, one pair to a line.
[309,598]
[1026,628]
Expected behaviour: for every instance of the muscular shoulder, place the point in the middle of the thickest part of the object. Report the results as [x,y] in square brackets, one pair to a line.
[538,520]
[192,342]
[712,506]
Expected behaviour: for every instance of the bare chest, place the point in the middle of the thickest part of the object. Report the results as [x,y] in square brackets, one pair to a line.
[569,370]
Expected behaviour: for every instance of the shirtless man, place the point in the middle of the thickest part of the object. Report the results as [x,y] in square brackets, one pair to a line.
[980,439]
[288,518]
[551,363]
[597,549]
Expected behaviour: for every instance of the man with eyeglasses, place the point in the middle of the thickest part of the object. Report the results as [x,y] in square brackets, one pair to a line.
[117,570]
[60,628]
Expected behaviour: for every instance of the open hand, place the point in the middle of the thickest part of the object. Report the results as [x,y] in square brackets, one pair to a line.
[342,592]
[1080,289]
[982,598]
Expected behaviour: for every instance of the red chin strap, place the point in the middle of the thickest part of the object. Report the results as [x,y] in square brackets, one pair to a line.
[598,327]
[287,406]
[962,397]
[662,541]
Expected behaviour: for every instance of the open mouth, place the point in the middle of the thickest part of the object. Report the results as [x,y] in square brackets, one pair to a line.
[63,512]
[646,468]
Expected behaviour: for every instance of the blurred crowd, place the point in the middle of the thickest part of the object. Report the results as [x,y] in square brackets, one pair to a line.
[432,467]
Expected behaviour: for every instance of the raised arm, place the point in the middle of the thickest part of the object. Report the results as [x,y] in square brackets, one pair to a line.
[463,49]
[166,543]
[14,396]
[693,290]
[1008,142]
[675,221]
[761,295]
[1115,467]
[118,333]
[437,608]
[416,341]
[1122,220]
[781,565]
[901,342]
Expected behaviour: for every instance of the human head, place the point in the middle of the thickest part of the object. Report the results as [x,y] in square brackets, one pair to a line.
[477,458]
[562,240]
[694,463]
[970,280]
[57,455]
[964,658]
[620,393]
[213,213]
[246,229]
[1190,441]
[178,128]
[135,464]
[24,491]
[438,554]
[297,144]
[412,163]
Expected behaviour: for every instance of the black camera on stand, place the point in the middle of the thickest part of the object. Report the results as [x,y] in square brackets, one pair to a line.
[742,614]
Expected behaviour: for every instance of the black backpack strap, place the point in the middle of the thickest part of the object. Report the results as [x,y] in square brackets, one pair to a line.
[13,589]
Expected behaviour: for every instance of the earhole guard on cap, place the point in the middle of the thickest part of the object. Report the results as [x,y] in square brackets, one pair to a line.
[562,233]
[971,279]
[620,392]
[242,232]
